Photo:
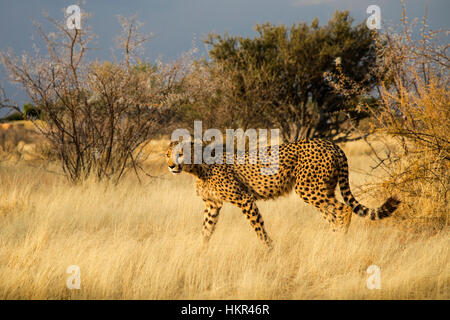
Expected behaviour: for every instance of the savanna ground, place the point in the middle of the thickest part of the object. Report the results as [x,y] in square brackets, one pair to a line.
[143,241]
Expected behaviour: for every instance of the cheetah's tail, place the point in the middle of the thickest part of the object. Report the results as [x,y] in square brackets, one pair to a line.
[386,210]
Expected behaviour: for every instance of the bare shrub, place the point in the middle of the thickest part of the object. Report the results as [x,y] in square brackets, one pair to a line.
[97,116]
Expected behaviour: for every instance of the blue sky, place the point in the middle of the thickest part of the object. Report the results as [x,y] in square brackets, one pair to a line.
[177,23]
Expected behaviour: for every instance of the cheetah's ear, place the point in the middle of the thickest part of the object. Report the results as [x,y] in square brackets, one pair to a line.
[180,140]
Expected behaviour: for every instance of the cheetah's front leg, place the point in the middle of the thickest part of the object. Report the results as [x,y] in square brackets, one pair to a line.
[211,215]
[251,211]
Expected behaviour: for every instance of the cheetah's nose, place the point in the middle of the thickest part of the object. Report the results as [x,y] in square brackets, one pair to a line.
[174,169]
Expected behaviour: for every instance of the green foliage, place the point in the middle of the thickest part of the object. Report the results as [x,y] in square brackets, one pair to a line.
[16,116]
[31,112]
[279,76]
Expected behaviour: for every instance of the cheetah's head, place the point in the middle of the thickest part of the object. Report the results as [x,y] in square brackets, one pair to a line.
[178,156]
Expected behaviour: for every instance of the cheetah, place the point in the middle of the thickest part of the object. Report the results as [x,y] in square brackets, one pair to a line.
[313,167]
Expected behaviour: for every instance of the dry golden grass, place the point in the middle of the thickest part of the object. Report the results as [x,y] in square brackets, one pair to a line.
[143,242]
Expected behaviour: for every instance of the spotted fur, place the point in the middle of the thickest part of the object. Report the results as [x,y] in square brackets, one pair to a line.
[313,167]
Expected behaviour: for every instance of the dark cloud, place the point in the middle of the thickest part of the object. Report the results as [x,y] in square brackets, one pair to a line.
[175,23]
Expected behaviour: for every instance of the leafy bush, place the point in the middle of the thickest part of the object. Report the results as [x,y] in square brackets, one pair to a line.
[276,79]
[15,116]
[31,112]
